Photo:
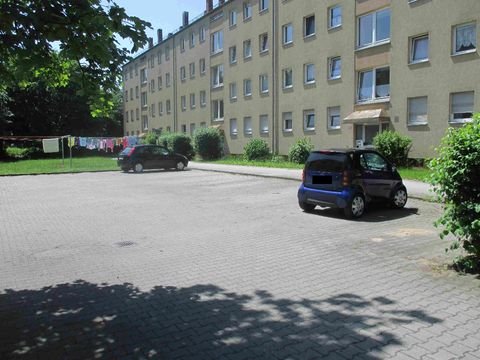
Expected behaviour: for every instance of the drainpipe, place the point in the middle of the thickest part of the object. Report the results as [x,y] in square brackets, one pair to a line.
[275,82]
[174,79]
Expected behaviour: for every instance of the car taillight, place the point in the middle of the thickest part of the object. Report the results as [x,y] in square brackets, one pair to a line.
[346,178]
[303,176]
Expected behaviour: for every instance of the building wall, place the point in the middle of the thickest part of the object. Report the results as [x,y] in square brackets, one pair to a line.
[437,78]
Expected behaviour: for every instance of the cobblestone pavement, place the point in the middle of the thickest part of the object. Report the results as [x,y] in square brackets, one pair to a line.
[202,265]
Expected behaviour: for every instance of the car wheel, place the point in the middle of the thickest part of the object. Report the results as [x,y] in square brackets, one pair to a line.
[399,198]
[180,166]
[306,206]
[138,168]
[356,207]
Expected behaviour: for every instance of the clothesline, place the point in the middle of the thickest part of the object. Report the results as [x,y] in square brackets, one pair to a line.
[51,145]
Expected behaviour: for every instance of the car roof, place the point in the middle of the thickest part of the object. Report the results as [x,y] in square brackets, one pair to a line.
[342,151]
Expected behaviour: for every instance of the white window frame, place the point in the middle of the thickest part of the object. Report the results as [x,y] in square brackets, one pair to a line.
[264,88]
[233,127]
[192,101]
[330,17]
[285,32]
[284,78]
[374,42]
[307,114]
[183,102]
[333,111]
[217,76]
[264,124]
[331,61]
[144,122]
[462,120]
[153,109]
[218,110]
[202,65]
[183,73]
[168,106]
[232,18]
[192,39]
[182,44]
[247,10]
[159,82]
[247,49]
[160,108]
[454,45]
[306,67]
[203,98]
[233,91]
[305,19]
[263,43]
[167,80]
[412,119]
[232,50]
[144,99]
[191,70]
[287,116]
[413,41]
[247,125]
[202,34]
[247,87]
[374,86]
[262,5]
[217,42]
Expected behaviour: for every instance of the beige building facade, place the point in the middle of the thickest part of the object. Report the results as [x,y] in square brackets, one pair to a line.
[335,71]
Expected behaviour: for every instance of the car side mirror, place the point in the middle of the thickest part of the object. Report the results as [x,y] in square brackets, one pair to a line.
[394,168]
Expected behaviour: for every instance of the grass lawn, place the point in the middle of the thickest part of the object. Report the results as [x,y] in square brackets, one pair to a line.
[49,166]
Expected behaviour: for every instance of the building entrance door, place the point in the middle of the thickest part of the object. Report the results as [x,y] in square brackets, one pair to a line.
[364,133]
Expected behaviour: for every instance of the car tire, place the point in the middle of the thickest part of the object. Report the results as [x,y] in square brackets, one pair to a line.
[356,207]
[180,166]
[306,206]
[138,167]
[399,198]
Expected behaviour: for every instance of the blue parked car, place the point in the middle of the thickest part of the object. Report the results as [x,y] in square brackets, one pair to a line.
[349,179]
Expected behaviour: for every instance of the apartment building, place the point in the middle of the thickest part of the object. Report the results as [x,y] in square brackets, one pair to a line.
[335,71]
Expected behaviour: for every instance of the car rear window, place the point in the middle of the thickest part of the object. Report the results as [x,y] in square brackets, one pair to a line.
[328,162]
[126,151]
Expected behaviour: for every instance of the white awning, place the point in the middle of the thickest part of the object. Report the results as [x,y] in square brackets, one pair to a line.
[366,116]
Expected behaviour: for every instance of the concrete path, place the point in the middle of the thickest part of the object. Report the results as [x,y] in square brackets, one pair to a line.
[416,189]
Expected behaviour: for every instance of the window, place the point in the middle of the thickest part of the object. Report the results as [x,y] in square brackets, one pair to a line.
[184,128]
[263,4]
[192,101]
[152,85]
[192,39]
[159,81]
[182,44]
[217,106]
[232,53]
[167,79]
[264,83]
[247,10]
[131,94]
[419,49]
[183,102]
[461,107]
[168,106]
[159,57]
[233,91]
[192,129]
[137,114]
[287,31]
[167,52]
[263,42]
[247,87]
[334,16]
[131,115]
[160,108]
[201,34]
[203,98]
[417,111]
[143,76]
[374,84]
[191,68]
[144,122]
[373,161]
[152,110]
[233,18]
[263,124]
[374,28]
[309,73]
[203,124]
[183,74]
[217,42]
[217,76]
[247,49]
[309,26]
[144,99]
[464,38]
[126,116]
[126,95]
[287,78]
[333,117]
[247,125]
[233,127]
[287,121]
[202,66]
[309,120]
[335,68]
[137,92]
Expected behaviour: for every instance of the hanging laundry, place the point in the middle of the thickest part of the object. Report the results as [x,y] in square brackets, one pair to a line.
[125,142]
[83,142]
[71,141]
[110,144]
[50,145]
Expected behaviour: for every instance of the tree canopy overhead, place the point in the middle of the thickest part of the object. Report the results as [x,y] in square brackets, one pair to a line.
[43,38]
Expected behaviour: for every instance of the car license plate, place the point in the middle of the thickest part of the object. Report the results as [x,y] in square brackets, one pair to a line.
[321,180]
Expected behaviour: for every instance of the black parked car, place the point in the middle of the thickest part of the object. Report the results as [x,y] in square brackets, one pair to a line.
[140,157]
[349,179]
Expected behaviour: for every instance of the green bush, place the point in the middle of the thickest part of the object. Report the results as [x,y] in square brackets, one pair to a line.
[20,153]
[456,182]
[393,146]
[256,149]
[151,138]
[298,152]
[179,143]
[208,143]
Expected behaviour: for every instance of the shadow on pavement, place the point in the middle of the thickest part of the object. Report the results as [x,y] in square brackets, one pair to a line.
[82,320]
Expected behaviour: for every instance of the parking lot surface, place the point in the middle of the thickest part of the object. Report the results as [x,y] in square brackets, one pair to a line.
[203,265]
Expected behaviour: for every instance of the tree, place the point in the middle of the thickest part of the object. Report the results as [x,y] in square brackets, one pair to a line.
[44,37]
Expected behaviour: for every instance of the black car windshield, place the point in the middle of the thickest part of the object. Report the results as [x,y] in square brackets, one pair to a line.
[126,151]
[328,162]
